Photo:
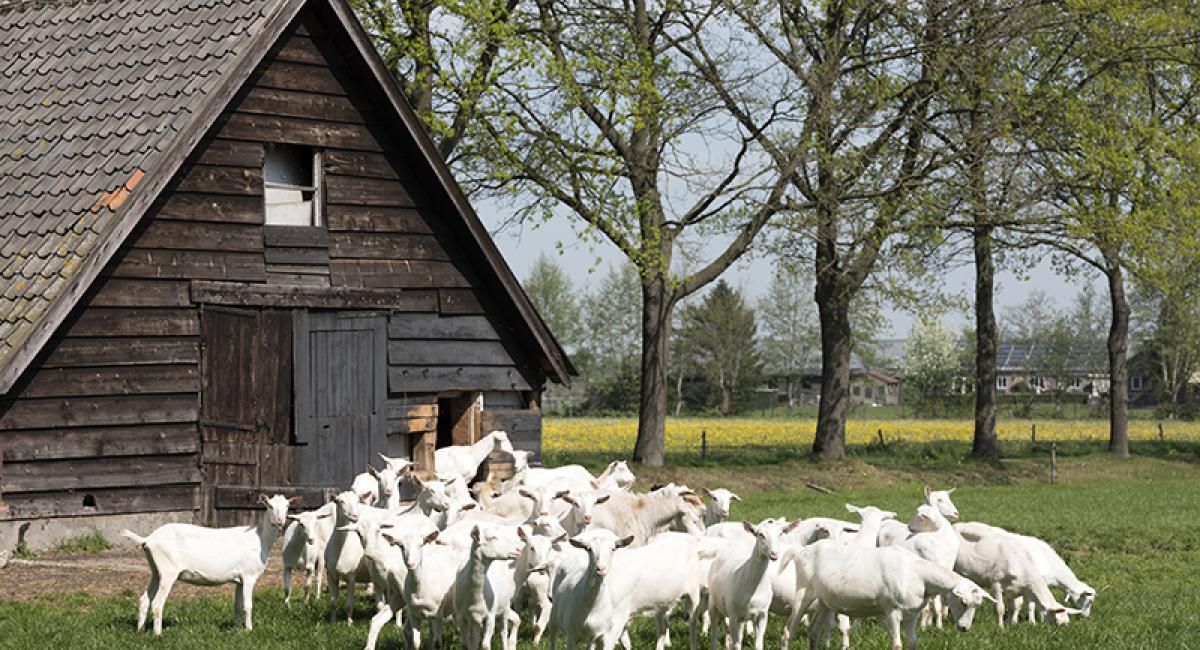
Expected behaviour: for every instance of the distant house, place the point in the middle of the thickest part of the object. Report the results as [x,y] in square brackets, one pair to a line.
[1024,367]
[874,388]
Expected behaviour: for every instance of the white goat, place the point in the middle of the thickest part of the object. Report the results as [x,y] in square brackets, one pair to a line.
[889,583]
[646,515]
[484,589]
[739,586]
[994,558]
[532,578]
[1051,566]
[616,476]
[464,460]
[304,543]
[428,585]
[720,501]
[366,487]
[651,579]
[583,608]
[209,556]
[387,570]
[930,537]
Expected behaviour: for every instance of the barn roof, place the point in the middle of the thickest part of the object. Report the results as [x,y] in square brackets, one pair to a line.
[100,104]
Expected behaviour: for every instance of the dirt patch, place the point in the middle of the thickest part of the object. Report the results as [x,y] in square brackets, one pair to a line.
[110,573]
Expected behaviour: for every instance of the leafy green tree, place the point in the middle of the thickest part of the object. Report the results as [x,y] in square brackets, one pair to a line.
[604,127]
[611,338]
[791,343]
[1116,125]
[447,58]
[722,334]
[859,86]
[931,365]
[552,293]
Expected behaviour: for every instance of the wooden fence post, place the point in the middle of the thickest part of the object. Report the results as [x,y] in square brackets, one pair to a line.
[879,433]
[1054,462]
[1160,433]
[1033,433]
[703,443]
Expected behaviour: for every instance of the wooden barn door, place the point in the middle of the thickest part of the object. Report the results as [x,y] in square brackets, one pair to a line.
[341,390]
[245,410]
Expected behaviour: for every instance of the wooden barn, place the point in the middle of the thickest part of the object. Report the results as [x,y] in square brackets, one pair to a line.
[233,261]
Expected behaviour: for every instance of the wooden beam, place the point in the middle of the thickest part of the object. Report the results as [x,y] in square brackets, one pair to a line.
[129,440]
[149,322]
[424,447]
[88,473]
[425,379]
[425,326]
[123,500]
[448,353]
[264,295]
[123,352]
[459,302]
[117,292]
[113,380]
[55,413]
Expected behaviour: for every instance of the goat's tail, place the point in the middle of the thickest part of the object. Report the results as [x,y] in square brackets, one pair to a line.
[134,537]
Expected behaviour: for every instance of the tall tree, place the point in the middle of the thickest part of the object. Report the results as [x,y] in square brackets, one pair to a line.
[790,341]
[1117,115]
[857,85]
[931,364]
[721,332]
[604,128]
[447,58]
[552,293]
[611,340]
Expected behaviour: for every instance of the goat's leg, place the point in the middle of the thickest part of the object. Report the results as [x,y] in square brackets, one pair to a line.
[712,631]
[844,625]
[350,579]
[165,582]
[147,596]
[998,594]
[381,618]
[489,628]
[733,624]
[287,586]
[891,622]
[910,631]
[760,630]
[247,589]
[335,586]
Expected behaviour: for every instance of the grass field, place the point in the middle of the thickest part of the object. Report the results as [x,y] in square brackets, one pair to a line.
[1128,528]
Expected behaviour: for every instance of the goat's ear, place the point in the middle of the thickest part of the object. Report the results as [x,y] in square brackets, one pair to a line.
[562,494]
[736,497]
[622,543]
[705,491]
[888,514]
[749,528]
[469,506]
[573,502]
[521,533]
[264,499]
[295,501]
[987,596]
[475,533]
[951,490]
[431,537]
[372,471]
[852,508]
[561,538]
[792,526]
[577,544]
[325,515]
[970,537]
[527,494]
[390,540]
[927,490]
[387,524]
[294,517]
[603,499]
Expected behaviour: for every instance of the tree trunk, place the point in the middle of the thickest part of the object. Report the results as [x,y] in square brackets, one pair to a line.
[652,407]
[984,446]
[1118,341]
[834,312]
[678,394]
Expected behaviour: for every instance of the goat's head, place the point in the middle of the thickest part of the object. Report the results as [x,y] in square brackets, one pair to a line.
[277,508]
[963,599]
[600,545]
[494,544]
[940,499]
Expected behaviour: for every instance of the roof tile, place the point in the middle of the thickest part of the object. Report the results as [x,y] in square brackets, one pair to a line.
[89,94]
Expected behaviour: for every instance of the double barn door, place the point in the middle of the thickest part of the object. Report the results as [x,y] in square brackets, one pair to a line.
[292,401]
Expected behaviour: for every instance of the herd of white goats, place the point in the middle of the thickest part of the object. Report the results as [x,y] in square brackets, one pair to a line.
[580,555]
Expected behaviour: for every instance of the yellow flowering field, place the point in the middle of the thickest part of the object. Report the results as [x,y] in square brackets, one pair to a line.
[618,434]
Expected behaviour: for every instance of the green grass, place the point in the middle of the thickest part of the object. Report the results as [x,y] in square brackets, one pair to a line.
[93,543]
[1128,530]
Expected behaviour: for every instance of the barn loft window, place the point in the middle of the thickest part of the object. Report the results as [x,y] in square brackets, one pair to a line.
[292,180]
